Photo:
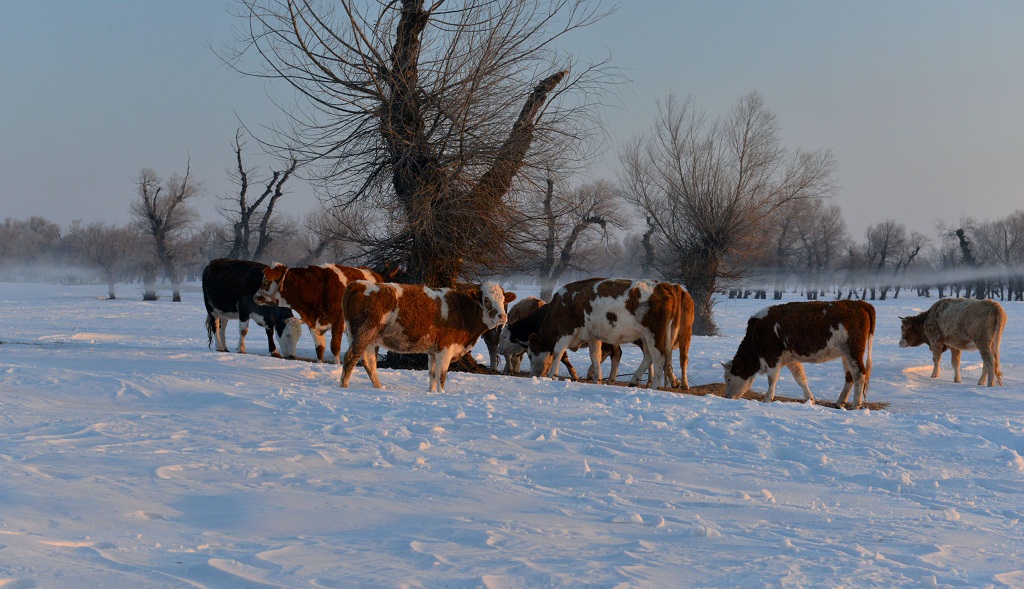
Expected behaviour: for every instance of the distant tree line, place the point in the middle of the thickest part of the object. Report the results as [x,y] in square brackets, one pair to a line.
[718,206]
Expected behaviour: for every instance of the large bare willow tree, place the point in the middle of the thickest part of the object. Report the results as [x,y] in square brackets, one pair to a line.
[426,114]
[710,188]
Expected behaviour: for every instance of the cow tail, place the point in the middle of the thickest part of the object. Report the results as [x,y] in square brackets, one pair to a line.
[209,330]
[867,354]
[997,339]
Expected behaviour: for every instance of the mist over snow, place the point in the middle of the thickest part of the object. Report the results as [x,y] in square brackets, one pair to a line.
[133,456]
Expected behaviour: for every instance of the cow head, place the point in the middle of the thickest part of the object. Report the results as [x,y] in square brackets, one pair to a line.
[270,289]
[288,337]
[541,356]
[507,347]
[912,332]
[735,385]
[493,299]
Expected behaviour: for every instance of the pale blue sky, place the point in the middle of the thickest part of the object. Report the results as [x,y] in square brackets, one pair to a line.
[921,102]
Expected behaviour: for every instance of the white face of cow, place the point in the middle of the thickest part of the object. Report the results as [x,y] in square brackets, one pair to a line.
[505,345]
[493,301]
[735,386]
[288,341]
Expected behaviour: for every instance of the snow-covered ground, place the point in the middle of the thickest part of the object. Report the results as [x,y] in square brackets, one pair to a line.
[133,456]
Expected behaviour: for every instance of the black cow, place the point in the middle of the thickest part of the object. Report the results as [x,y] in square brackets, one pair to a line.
[228,289]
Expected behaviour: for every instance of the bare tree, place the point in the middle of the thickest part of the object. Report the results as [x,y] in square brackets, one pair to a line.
[710,186]
[251,217]
[573,224]
[962,234]
[164,213]
[426,113]
[108,248]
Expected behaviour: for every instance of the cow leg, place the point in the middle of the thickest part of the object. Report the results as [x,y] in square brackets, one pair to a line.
[860,389]
[318,341]
[243,330]
[336,332]
[492,353]
[357,347]
[431,375]
[513,362]
[595,361]
[616,356]
[657,358]
[988,372]
[847,386]
[684,361]
[954,356]
[370,364]
[936,358]
[438,368]
[570,368]
[797,370]
[773,379]
[271,344]
[556,356]
[221,332]
[645,365]
[670,377]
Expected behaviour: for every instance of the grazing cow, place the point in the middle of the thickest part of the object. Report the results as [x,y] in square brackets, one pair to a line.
[792,333]
[959,324]
[228,289]
[314,292]
[493,337]
[614,311]
[515,338]
[408,318]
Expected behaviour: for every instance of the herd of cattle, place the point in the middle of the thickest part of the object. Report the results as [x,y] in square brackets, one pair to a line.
[602,313]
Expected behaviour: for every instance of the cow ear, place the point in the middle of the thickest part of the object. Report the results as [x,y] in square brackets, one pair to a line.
[509,297]
[475,294]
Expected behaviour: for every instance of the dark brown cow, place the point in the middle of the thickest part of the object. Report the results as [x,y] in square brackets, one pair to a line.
[409,318]
[314,292]
[228,289]
[614,311]
[492,337]
[959,324]
[792,333]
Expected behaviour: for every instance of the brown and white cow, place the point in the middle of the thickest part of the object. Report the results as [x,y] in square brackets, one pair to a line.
[315,293]
[814,331]
[493,337]
[409,318]
[614,311]
[956,325]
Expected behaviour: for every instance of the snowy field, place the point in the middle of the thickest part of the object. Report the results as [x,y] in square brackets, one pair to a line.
[133,456]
